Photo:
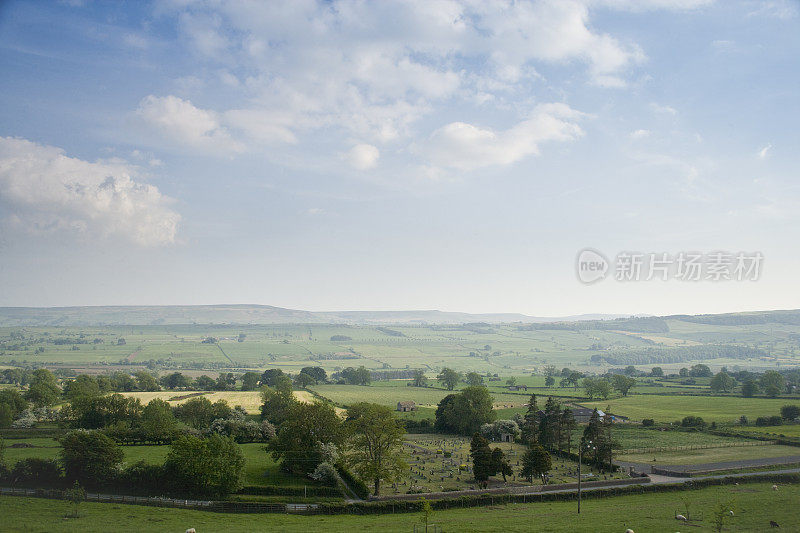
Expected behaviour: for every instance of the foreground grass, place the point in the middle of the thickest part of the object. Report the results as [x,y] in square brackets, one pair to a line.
[754,506]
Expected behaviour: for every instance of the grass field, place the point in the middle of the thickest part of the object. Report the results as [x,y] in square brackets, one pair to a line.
[787,430]
[672,408]
[631,436]
[754,505]
[710,455]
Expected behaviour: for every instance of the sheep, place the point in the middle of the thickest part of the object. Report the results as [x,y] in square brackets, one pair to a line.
[773,523]
[191,530]
[681,517]
[628,530]
[774,487]
[730,512]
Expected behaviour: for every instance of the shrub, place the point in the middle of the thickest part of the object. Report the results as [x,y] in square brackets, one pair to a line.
[762,421]
[775,420]
[693,422]
[35,471]
[648,422]
[143,478]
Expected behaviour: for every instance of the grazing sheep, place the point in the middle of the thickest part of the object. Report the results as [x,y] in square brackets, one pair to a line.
[191,530]
[773,523]
[774,487]
[628,530]
[730,512]
[680,517]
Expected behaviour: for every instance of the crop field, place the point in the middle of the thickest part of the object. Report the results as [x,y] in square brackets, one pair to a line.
[755,506]
[503,349]
[672,408]
[710,455]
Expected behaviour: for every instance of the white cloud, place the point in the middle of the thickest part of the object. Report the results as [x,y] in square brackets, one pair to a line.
[363,156]
[465,146]
[781,9]
[649,5]
[764,152]
[180,122]
[640,134]
[47,191]
[663,109]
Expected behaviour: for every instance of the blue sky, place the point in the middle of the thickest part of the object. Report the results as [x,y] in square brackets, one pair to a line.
[395,155]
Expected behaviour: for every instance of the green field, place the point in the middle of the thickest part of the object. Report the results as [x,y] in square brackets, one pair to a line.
[787,430]
[754,506]
[672,408]
[710,455]
[630,436]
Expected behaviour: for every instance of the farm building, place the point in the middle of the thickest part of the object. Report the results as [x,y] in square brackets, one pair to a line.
[407,406]
[583,414]
[518,387]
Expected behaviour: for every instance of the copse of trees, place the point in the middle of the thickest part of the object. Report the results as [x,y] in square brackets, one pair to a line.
[89,457]
[465,412]
[301,437]
[208,467]
[354,376]
[597,387]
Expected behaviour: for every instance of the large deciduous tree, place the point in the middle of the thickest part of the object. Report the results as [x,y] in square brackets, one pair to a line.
[301,435]
[211,467]
[376,443]
[449,378]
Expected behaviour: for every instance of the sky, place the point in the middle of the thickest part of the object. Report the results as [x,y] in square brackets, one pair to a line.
[433,154]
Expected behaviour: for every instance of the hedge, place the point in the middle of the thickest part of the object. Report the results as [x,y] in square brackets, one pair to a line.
[355,484]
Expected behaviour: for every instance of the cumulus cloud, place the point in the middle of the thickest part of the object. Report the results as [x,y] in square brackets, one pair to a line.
[466,146]
[180,122]
[47,191]
[363,156]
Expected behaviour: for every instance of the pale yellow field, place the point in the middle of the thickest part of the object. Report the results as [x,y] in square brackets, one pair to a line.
[249,400]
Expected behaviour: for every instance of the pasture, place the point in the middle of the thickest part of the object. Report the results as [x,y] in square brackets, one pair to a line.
[674,408]
[754,504]
[710,455]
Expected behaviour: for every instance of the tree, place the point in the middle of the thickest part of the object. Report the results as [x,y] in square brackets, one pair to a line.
[419,379]
[271,377]
[683,372]
[449,378]
[549,381]
[301,435]
[75,496]
[481,459]
[145,381]
[465,412]
[210,467]
[530,423]
[176,380]
[550,370]
[356,376]
[84,385]
[750,388]
[200,412]
[657,372]
[474,379]
[376,444]
[596,387]
[500,464]
[623,383]
[43,390]
[225,381]
[250,381]
[276,404]
[568,425]
[536,462]
[790,412]
[700,371]
[158,423]
[772,382]
[94,412]
[204,383]
[722,382]
[302,380]
[12,399]
[317,373]
[550,424]
[6,416]
[90,457]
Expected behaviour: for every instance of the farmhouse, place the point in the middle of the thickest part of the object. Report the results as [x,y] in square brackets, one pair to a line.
[406,406]
[518,387]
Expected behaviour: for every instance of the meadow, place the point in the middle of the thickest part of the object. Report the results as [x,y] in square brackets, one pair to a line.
[674,408]
[710,455]
[754,505]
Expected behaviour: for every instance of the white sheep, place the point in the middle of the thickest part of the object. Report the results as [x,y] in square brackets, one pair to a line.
[628,530]
[680,517]
[730,512]
[191,530]
[774,487]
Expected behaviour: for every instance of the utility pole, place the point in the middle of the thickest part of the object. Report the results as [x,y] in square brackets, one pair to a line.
[581,446]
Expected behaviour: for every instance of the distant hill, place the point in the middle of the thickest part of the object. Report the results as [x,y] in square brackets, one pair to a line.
[250,314]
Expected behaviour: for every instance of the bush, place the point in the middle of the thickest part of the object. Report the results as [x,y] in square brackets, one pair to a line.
[693,422]
[35,471]
[775,421]
[790,412]
[143,478]
[355,484]
[648,422]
